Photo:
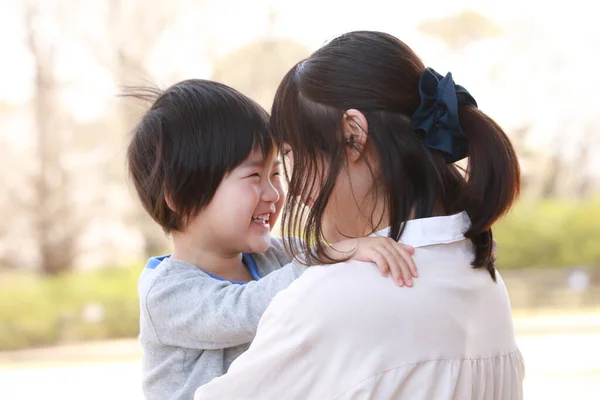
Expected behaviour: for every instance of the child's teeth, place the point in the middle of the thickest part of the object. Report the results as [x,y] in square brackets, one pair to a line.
[261,218]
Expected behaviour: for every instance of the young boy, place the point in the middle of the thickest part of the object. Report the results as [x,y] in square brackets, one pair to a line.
[206,170]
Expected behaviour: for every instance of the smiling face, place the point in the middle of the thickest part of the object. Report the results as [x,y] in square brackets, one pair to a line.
[246,205]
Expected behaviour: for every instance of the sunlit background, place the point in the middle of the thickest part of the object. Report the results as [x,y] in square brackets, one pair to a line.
[73,239]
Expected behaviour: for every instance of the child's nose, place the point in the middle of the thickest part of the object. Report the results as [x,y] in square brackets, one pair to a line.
[270,194]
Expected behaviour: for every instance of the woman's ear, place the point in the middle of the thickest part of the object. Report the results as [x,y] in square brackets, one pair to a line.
[355,133]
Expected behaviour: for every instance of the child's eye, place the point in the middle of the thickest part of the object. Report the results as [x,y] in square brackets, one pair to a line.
[256,175]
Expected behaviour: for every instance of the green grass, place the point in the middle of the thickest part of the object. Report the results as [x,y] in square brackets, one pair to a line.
[550,234]
[36,311]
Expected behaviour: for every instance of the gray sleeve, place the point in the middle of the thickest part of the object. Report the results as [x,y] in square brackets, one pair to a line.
[274,258]
[191,310]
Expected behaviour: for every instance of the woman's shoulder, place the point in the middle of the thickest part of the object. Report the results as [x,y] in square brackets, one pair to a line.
[332,292]
[341,274]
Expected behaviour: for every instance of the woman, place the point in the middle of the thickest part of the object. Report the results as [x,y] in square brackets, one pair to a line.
[373,137]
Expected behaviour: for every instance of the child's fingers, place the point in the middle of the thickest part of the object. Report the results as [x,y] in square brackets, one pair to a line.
[406,255]
[381,262]
[385,262]
[410,250]
[398,267]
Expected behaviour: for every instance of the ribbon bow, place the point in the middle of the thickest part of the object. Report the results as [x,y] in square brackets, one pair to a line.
[437,116]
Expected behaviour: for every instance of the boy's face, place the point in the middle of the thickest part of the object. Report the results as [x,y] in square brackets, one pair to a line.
[245,207]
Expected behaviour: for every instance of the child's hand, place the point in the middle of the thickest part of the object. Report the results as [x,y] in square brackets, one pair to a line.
[389,255]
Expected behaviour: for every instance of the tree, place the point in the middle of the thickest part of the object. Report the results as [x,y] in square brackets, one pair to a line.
[55,228]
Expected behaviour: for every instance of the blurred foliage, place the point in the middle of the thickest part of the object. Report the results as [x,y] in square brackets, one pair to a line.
[102,304]
[550,234]
[37,310]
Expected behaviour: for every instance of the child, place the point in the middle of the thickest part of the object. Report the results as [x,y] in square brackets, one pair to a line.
[205,168]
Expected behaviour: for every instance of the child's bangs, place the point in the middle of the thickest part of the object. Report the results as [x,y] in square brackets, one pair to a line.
[262,140]
[246,134]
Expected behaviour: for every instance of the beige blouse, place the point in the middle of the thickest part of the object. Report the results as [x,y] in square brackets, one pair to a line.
[344,332]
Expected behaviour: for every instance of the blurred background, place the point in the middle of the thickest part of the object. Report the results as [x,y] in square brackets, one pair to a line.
[73,240]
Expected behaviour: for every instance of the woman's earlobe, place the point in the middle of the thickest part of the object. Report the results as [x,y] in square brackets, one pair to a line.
[353,152]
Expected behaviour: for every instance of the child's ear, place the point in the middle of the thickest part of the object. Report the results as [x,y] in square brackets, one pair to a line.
[169,202]
[355,133]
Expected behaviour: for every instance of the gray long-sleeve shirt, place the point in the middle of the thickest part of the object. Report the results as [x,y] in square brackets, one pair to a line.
[192,325]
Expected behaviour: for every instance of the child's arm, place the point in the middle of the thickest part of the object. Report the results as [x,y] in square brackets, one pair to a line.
[190,310]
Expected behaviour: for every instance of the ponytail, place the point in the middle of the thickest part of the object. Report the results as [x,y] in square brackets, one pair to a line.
[451,124]
[493,180]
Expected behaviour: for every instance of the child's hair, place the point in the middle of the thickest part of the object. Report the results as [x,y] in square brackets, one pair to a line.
[380,76]
[193,134]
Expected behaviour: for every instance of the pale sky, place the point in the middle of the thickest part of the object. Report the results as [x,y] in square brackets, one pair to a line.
[565,42]
[232,23]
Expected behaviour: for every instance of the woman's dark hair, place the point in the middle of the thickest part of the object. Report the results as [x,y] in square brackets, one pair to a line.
[378,75]
[193,134]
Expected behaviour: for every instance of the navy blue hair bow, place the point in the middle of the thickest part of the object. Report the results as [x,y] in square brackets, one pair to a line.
[437,116]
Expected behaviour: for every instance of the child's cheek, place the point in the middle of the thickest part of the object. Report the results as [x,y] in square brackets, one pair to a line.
[278,205]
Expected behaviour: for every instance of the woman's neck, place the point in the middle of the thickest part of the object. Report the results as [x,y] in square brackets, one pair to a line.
[381,219]
[355,223]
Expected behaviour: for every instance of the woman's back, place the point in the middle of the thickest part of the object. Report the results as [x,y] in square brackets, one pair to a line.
[342,332]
